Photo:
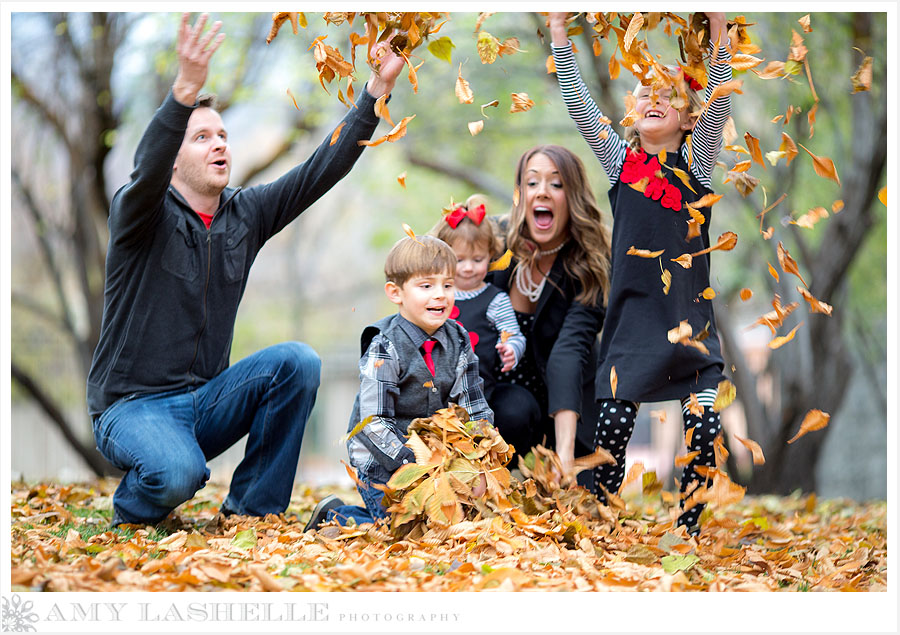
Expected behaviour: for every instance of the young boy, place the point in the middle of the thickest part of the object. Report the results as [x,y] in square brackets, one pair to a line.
[413,363]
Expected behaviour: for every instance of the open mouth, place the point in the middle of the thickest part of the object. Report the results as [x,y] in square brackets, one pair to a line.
[436,310]
[221,163]
[654,114]
[543,217]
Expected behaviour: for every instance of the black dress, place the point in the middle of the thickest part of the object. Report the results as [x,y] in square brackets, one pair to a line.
[640,313]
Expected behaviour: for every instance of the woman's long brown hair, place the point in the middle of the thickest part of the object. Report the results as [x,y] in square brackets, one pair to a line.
[587,260]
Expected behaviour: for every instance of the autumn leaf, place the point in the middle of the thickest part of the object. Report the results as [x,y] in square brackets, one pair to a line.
[862,78]
[708,293]
[724,492]
[408,474]
[409,232]
[744,182]
[743,62]
[838,205]
[694,406]
[442,48]
[245,539]
[659,414]
[520,102]
[725,395]
[490,104]
[613,381]
[823,166]
[488,47]
[502,262]
[666,280]
[775,318]
[810,218]
[637,21]
[358,427]
[463,92]
[673,564]
[640,185]
[780,341]
[509,46]
[475,127]
[381,109]
[633,472]
[816,306]
[746,294]
[693,230]
[788,264]
[395,133]
[882,195]
[685,459]
[643,253]
[755,152]
[684,178]
[293,99]
[401,179]
[772,271]
[758,456]
[707,200]
[814,420]
[685,260]
[351,471]
[804,22]
[550,65]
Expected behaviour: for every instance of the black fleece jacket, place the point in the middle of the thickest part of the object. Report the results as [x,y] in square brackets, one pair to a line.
[172,285]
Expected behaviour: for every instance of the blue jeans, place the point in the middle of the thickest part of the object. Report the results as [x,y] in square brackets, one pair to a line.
[162,441]
[372,499]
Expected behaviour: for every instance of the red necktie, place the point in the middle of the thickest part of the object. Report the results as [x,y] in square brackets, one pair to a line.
[427,346]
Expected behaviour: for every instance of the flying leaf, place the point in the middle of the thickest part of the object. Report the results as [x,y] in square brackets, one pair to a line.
[746,294]
[659,414]
[788,147]
[401,179]
[293,99]
[775,318]
[693,230]
[509,46]
[772,271]
[680,332]
[724,492]
[520,102]
[442,48]
[743,62]
[823,166]
[463,92]
[707,200]
[816,306]
[685,459]
[476,126]
[488,47]
[666,280]
[804,22]
[773,156]
[720,451]
[490,104]
[725,394]
[684,177]
[758,456]
[633,472]
[788,264]
[882,195]
[381,109]
[640,185]
[354,476]
[838,205]
[613,381]
[694,406]
[550,65]
[358,427]
[643,253]
[685,260]
[409,232]
[780,341]
[637,21]
[396,132]
[502,262]
[753,145]
[862,78]
[337,133]
[768,233]
[814,420]
[708,293]
[810,218]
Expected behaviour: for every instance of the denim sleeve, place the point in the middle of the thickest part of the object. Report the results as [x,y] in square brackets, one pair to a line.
[379,370]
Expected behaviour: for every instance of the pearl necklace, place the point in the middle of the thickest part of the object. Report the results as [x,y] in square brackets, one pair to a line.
[552,251]
[526,285]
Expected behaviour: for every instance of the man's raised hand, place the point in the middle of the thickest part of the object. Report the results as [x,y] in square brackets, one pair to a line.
[193,52]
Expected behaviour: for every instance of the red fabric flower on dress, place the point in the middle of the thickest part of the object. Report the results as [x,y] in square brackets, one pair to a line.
[655,188]
[473,337]
[671,198]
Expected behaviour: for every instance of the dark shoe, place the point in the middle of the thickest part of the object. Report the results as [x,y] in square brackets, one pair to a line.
[320,511]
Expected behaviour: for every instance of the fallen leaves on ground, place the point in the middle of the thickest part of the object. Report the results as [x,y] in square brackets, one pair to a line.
[769,543]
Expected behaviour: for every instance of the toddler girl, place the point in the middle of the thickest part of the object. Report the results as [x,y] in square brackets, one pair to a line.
[638,362]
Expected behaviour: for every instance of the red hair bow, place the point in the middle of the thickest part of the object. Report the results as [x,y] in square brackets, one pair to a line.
[693,83]
[476,215]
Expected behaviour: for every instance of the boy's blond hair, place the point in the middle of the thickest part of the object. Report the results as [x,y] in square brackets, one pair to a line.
[681,83]
[421,256]
[470,233]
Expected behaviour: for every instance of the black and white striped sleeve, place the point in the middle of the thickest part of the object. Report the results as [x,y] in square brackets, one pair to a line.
[605,143]
[706,140]
[501,314]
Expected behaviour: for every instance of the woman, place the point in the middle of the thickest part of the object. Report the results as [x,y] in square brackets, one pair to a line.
[557,284]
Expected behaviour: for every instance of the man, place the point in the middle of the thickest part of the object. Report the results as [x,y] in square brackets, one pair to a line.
[160,392]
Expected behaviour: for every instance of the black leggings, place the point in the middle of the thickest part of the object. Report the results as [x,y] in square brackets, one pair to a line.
[614,428]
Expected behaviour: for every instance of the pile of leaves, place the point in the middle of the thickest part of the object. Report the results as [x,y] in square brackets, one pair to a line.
[460,521]
[460,480]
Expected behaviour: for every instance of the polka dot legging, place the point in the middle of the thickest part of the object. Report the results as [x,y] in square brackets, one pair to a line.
[615,426]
